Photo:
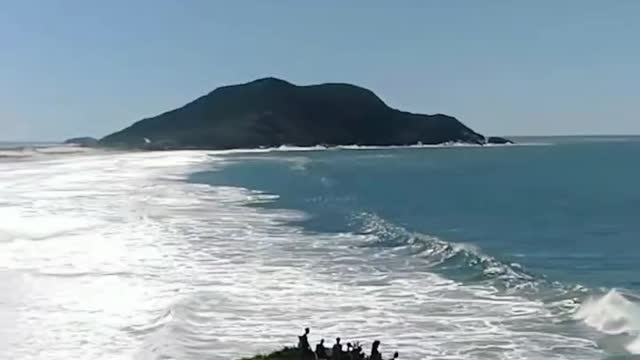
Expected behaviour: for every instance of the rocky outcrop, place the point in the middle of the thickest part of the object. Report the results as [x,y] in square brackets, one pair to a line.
[82,141]
[498,140]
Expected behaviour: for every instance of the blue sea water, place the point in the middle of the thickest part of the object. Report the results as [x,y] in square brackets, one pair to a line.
[554,221]
[519,252]
[568,212]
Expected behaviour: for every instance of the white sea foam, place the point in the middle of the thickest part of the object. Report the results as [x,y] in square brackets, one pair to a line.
[113,256]
[634,346]
[28,152]
[16,153]
[614,313]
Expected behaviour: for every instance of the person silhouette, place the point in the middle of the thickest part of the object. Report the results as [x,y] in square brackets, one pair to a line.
[375,354]
[304,340]
[336,350]
[356,351]
[303,345]
[321,351]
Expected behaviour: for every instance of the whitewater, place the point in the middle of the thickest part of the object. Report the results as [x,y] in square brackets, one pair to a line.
[118,256]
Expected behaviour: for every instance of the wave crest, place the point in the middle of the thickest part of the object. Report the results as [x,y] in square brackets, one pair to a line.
[463,261]
[615,313]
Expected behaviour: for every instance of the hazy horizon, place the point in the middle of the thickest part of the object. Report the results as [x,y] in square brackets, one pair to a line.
[539,69]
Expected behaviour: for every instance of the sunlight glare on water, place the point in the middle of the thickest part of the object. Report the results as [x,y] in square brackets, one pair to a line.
[114,256]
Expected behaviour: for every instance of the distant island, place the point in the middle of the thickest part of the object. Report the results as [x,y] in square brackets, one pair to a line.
[271,112]
[85,141]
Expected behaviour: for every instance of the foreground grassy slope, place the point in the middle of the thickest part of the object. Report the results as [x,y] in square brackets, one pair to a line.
[284,354]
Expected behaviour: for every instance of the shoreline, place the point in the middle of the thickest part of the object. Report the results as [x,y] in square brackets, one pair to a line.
[27,152]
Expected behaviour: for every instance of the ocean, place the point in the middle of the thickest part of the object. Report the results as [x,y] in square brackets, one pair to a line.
[527,251]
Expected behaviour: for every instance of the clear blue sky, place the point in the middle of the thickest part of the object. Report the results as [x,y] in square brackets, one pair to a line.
[76,67]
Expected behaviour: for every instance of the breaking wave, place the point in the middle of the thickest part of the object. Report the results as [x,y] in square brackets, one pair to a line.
[440,254]
[615,313]
[39,151]
[199,274]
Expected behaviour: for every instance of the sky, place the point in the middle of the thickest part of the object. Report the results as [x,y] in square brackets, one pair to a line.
[546,67]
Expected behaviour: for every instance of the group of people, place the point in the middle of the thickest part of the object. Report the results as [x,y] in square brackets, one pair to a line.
[352,352]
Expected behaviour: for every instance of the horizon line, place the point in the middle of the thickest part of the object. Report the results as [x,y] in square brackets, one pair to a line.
[507,136]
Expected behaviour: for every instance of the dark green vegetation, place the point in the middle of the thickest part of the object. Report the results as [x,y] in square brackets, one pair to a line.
[82,141]
[272,112]
[498,140]
[290,353]
[284,354]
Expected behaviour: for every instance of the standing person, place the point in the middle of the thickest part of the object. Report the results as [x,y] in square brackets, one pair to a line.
[303,345]
[336,351]
[375,354]
[321,351]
